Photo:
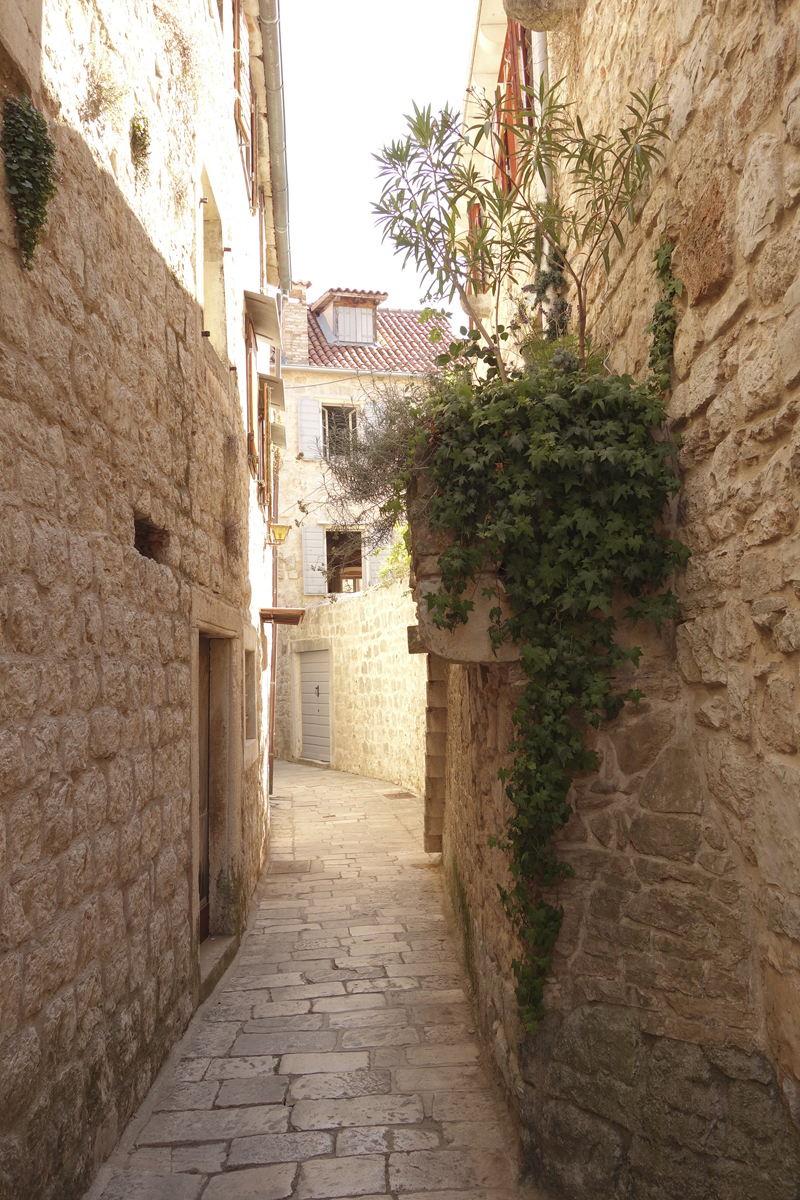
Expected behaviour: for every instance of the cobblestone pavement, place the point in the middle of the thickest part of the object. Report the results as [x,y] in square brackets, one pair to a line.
[337,1056]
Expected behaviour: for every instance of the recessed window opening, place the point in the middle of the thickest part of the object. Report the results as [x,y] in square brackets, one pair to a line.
[338,428]
[150,541]
[250,707]
[344,560]
[214,318]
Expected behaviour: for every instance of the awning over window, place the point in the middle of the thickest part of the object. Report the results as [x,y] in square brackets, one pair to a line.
[283,616]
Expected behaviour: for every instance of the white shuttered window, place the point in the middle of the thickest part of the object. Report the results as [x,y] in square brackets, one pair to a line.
[355,324]
[315,582]
[309,427]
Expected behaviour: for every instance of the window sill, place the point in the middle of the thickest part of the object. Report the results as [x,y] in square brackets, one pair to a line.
[250,752]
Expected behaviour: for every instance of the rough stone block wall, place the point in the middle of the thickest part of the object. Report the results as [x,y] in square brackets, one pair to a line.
[669,1061]
[378,690]
[112,407]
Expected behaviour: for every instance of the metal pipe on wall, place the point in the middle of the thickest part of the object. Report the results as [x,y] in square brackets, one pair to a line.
[270,20]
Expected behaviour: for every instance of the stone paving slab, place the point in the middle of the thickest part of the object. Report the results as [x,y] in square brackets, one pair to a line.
[337,1058]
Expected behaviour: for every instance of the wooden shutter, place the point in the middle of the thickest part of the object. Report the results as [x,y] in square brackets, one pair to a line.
[314,562]
[253,152]
[252,399]
[263,475]
[309,427]
[241,70]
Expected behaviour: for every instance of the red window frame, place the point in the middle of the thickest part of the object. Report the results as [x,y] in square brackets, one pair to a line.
[514,76]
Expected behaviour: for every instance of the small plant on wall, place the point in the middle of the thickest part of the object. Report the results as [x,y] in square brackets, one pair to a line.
[140,146]
[31,171]
[104,97]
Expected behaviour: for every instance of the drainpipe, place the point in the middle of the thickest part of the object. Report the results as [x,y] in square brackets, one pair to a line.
[270,19]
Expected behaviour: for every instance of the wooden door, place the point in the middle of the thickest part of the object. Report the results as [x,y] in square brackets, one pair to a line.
[204,692]
[315,704]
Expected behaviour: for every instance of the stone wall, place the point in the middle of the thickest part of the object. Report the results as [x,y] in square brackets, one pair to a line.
[669,1061]
[113,408]
[378,690]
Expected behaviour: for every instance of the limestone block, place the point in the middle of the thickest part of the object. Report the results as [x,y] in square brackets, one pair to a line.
[776,268]
[766,611]
[789,348]
[761,573]
[673,784]
[739,632]
[760,196]
[57,817]
[688,336]
[777,720]
[776,518]
[468,643]
[642,737]
[759,381]
[790,113]
[775,825]
[705,381]
[722,315]
[787,632]
[701,648]
[90,798]
[27,624]
[10,994]
[15,769]
[706,242]
[666,837]
[713,714]
[20,1059]
[49,963]
[104,732]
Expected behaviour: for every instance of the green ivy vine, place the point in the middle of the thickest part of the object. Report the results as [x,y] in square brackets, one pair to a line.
[32,175]
[557,479]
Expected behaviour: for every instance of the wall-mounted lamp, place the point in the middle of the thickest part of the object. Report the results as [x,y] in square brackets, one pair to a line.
[277,534]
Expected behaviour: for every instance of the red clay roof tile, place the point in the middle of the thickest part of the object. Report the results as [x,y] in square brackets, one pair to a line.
[402,346]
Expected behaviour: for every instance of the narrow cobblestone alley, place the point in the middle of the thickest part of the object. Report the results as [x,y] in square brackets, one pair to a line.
[337,1057]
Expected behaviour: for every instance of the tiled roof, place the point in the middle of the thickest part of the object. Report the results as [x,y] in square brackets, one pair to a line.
[402,345]
[335,293]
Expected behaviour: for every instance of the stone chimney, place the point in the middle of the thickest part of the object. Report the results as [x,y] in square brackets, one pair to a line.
[295,324]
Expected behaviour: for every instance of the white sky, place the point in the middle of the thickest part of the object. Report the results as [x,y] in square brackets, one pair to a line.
[351,70]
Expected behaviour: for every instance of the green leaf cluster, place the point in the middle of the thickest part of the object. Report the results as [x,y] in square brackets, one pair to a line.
[557,480]
[140,146]
[665,317]
[475,227]
[31,170]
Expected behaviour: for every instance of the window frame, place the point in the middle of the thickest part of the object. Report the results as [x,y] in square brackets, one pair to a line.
[244,108]
[352,413]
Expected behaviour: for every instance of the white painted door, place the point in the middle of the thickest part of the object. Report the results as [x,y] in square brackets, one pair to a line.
[315,703]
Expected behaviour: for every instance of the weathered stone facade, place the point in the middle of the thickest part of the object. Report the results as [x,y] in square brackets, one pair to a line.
[378,704]
[378,691]
[669,1061]
[128,528]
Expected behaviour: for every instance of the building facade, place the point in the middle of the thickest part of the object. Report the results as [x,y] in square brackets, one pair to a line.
[668,1063]
[368,715]
[139,364]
